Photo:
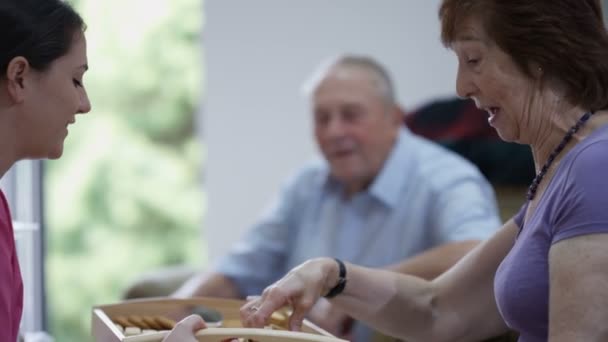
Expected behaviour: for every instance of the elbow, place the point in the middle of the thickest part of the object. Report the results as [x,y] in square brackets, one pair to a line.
[435,319]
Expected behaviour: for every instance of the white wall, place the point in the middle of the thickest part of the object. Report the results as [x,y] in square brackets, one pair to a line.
[255,122]
[605,9]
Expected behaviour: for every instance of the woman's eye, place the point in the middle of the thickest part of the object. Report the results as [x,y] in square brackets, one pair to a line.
[77,83]
[472,61]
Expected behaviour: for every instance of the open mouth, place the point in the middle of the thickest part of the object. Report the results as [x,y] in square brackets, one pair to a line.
[493,112]
[338,155]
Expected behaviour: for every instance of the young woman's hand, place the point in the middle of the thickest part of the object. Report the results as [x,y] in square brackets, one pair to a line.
[186,328]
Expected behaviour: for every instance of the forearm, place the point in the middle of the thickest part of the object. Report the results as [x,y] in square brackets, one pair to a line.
[208,285]
[395,297]
[448,308]
[433,262]
[395,304]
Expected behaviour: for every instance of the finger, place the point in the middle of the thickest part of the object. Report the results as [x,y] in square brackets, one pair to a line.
[295,320]
[257,312]
[301,308]
[273,299]
[193,323]
[250,298]
[247,310]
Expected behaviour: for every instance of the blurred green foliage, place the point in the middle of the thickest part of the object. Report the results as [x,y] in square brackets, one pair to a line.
[126,197]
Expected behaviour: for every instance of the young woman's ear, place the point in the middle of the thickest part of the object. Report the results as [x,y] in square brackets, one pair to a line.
[17,70]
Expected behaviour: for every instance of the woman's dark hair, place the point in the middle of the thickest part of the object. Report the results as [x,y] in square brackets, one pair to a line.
[38,30]
[566,38]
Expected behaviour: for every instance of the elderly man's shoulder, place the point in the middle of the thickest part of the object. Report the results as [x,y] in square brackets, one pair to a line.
[311,175]
[313,169]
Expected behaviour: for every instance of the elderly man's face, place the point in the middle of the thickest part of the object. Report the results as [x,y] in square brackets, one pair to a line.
[354,126]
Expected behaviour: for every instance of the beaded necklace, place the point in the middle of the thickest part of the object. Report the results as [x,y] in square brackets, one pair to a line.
[539,177]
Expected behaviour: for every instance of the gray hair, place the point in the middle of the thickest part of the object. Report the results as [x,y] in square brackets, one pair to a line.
[377,72]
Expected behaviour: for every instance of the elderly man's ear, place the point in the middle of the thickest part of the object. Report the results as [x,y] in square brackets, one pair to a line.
[397,114]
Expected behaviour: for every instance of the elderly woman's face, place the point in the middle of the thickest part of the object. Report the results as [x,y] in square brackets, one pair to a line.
[490,77]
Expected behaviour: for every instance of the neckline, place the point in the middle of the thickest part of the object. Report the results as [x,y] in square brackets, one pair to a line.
[561,164]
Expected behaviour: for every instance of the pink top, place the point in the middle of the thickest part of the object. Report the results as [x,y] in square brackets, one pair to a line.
[11,285]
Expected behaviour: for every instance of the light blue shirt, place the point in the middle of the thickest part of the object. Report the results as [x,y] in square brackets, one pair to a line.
[423,197]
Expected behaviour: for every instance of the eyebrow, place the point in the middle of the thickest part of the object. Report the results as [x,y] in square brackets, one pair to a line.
[84,66]
[468,38]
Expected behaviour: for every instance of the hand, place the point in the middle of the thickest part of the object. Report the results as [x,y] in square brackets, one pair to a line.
[333,320]
[186,328]
[300,289]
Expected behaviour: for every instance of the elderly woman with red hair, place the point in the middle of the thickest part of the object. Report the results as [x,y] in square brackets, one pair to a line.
[540,70]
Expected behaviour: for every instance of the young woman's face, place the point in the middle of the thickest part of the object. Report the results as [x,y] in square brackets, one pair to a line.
[52,100]
[491,78]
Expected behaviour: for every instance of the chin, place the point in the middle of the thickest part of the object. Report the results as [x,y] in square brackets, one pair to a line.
[346,177]
[342,177]
[55,153]
[506,135]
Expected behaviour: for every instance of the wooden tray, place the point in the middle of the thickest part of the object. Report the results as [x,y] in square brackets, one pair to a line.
[104,328]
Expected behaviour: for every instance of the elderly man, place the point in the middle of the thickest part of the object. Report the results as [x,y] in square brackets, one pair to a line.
[381,197]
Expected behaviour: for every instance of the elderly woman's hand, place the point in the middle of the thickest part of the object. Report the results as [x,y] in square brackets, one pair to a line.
[184,330]
[300,289]
[331,319]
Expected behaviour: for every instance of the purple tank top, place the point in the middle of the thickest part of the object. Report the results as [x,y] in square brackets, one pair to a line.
[573,204]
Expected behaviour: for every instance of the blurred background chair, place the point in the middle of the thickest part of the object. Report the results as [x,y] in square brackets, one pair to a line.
[460,126]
